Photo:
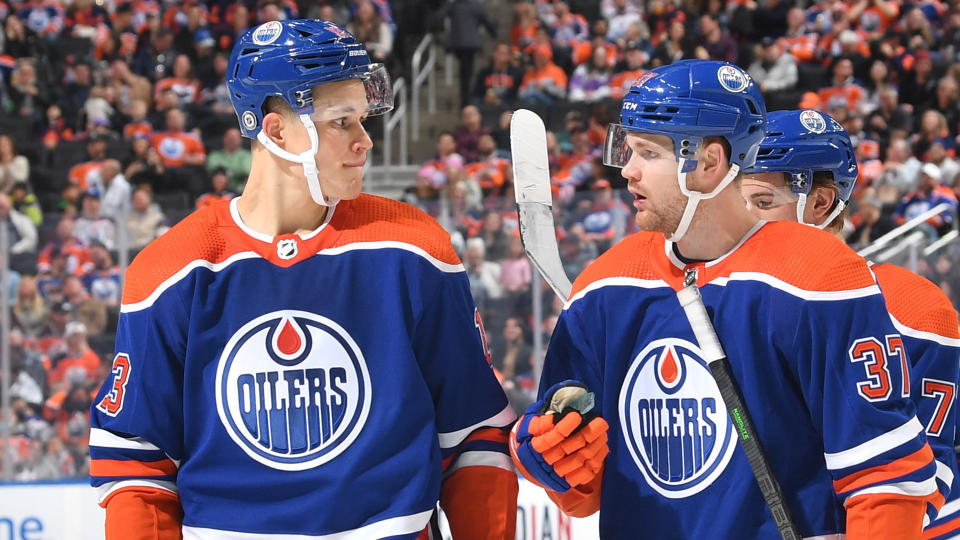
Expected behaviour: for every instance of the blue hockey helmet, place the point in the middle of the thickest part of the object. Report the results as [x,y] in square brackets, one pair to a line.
[286,59]
[688,101]
[803,142]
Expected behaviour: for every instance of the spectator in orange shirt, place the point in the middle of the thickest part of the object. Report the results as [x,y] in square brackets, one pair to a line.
[873,17]
[80,173]
[79,261]
[175,147]
[798,40]
[138,123]
[628,70]
[489,170]
[182,83]
[545,82]
[525,25]
[843,89]
[78,355]
[218,189]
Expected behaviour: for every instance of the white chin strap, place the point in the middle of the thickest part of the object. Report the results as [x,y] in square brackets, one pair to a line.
[801,205]
[307,159]
[694,197]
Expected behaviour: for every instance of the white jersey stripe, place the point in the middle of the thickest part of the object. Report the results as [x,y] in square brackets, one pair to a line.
[106,489]
[617,282]
[949,509]
[482,459]
[793,290]
[105,439]
[910,489]
[379,529]
[927,336]
[944,474]
[874,447]
[417,250]
[501,419]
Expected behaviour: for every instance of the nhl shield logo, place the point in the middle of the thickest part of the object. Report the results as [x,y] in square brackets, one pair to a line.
[813,121]
[293,390]
[673,419]
[287,249]
[732,79]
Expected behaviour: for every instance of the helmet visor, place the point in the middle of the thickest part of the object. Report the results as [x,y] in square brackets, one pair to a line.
[767,192]
[377,98]
[616,151]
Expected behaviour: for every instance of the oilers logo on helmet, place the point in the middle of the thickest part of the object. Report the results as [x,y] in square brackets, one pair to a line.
[673,419]
[732,79]
[267,33]
[293,390]
[813,121]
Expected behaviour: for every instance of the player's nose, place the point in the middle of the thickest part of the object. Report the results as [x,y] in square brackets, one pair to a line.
[631,171]
[363,142]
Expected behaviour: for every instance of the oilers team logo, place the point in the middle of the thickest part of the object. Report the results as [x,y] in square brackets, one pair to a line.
[293,389]
[813,121]
[732,79]
[267,33]
[673,419]
[172,147]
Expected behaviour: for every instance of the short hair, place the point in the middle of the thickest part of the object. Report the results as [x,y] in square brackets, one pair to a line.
[825,179]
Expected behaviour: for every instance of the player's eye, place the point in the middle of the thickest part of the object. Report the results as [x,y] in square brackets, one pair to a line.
[763,204]
[341,122]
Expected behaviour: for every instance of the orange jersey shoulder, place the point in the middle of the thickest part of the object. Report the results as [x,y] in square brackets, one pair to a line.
[194,238]
[916,302]
[799,255]
[370,218]
[630,258]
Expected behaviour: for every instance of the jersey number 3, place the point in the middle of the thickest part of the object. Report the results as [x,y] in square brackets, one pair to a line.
[876,360]
[113,401]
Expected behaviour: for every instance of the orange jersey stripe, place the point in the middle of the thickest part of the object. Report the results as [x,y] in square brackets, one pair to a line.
[882,473]
[951,526]
[117,467]
[487,434]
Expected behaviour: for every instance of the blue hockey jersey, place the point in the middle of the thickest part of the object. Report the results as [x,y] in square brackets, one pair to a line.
[323,384]
[805,328]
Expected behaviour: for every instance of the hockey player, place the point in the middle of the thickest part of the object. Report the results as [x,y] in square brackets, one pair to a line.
[799,316]
[304,360]
[806,172]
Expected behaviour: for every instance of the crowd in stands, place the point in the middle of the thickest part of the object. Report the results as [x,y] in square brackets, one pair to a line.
[116,123]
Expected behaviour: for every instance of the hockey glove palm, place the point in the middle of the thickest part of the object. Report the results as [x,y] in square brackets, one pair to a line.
[559,443]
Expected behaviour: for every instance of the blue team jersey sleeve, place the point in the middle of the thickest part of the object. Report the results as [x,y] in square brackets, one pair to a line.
[137,417]
[570,354]
[472,413]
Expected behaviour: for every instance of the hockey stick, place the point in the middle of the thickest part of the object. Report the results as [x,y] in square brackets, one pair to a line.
[532,186]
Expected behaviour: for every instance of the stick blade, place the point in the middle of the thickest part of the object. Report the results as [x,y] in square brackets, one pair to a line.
[531,177]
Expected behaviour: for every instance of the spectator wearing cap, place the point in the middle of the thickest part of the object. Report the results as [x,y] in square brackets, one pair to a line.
[772,70]
[25,202]
[218,190]
[22,233]
[466,18]
[930,194]
[497,84]
[176,147]
[628,70]
[81,173]
[591,81]
[91,226]
[233,158]
[13,166]
[66,243]
[545,82]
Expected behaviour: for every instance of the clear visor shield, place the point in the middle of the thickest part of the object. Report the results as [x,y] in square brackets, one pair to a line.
[346,100]
[616,151]
[762,195]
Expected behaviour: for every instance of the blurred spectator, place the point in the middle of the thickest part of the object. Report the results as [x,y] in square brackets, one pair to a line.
[145,221]
[91,226]
[948,103]
[772,70]
[524,26]
[22,233]
[498,83]
[842,89]
[605,223]
[919,86]
[76,93]
[888,117]
[717,44]
[69,411]
[155,58]
[29,309]
[28,369]
[87,310]
[103,281]
[144,165]
[927,196]
[181,82]
[573,256]
[568,28]
[218,190]
[55,128]
[468,133]
[26,202]
[871,222]
[202,58]
[916,26]
[619,21]
[484,275]
[515,270]
[115,199]
[495,238]
[175,147]
[13,166]
[628,70]
[423,194]
[78,355]
[30,96]
[949,168]
[933,129]
[873,17]
[545,82]
[463,40]
[489,170]
[51,340]
[216,96]
[511,355]
[233,158]
[673,46]
[798,40]
[900,171]
[446,157]
[371,30]
[592,81]
[69,203]
[19,41]
[77,255]
[82,173]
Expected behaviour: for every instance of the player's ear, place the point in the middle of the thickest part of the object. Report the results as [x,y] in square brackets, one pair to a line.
[274,125]
[820,201]
[714,163]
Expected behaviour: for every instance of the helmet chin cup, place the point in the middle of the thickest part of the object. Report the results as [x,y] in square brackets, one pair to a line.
[306,159]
